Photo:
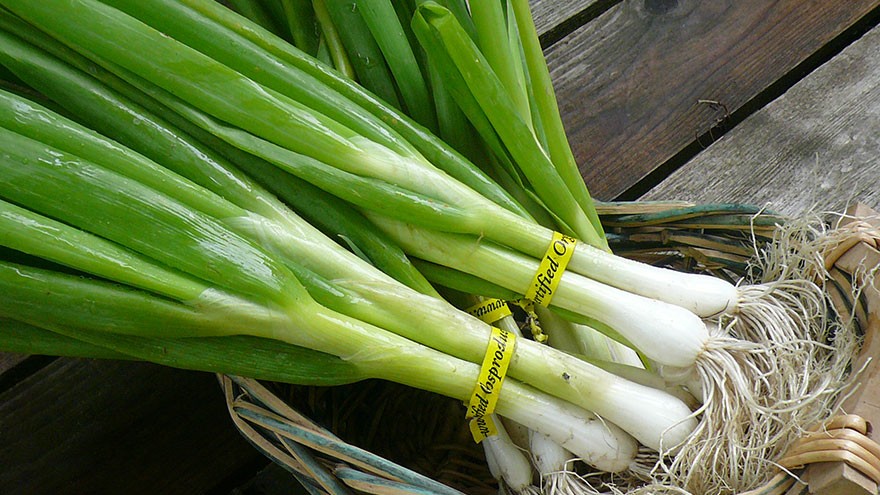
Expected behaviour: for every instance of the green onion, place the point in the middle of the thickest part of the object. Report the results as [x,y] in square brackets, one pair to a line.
[671,335]
[36,235]
[703,295]
[143,131]
[22,338]
[378,160]
[263,359]
[370,67]
[436,25]
[49,299]
[48,180]
[331,40]
[206,20]
[190,243]
[381,19]
[493,41]
[377,299]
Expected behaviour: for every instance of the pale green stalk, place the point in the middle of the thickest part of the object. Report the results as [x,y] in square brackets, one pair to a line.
[494,42]
[37,175]
[332,41]
[48,181]
[36,235]
[381,19]
[73,301]
[664,332]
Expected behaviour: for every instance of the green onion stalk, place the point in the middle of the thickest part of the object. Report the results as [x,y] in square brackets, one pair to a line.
[385,171]
[301,140]
[507,461]
[333,263]
[384,25]
[212,282]
[466,344]
[264,359]
[495,36]
[455,208]
[331,40]
[91,309]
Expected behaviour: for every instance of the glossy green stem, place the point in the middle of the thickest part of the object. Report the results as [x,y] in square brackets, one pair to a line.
[381,19]
[370,66]
[439,27]
[548,109]
[435,150]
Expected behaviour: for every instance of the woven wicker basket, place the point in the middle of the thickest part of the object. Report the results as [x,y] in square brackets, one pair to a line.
[360,437]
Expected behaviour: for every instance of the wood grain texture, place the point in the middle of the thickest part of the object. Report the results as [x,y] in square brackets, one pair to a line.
[631,82]
[549,14]
[9,360]
[104,427]
[816,147]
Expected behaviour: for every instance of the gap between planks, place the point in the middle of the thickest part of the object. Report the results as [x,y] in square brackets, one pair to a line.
[630,82]
[730,121]
[816,148]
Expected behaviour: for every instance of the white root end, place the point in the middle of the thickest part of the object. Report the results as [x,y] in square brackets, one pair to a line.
[773,368]
[768,373]
[507,462]
[565,482]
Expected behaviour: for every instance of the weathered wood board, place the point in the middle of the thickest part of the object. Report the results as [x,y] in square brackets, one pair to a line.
[550,15]
[631,83]
[8,361]
[815,148]
[97,427]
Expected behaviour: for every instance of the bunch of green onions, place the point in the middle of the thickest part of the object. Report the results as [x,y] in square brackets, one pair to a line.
[220,189]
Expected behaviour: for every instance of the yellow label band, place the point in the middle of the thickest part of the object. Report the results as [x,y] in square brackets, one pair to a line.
[490,310]
[488,388]
[550,271]
[483,428]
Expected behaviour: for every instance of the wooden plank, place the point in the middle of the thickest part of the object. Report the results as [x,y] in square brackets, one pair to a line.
[630,84]
[816,147]
[551,14]
[83,426]
[9,360]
